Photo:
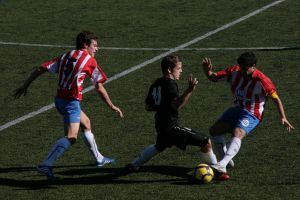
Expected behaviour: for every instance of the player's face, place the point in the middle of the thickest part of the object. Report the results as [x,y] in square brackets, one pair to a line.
[93,48]
[247,71]
[176,71]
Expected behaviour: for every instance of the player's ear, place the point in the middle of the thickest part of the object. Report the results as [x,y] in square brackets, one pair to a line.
[169,70]
[85,45]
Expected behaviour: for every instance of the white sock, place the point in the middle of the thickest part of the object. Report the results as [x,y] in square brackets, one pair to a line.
[89,140]
[148,153]
[219,145]
[233,149]
[209,157]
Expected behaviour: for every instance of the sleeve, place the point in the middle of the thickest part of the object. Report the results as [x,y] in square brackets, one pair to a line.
[225,73]
[267,84]
[52,65]
[97,75]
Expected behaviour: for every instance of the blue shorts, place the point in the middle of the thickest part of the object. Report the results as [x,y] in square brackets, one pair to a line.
[239,117]
[70,109]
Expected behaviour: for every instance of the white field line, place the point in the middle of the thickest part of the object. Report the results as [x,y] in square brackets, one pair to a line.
[147,62]
[148,48]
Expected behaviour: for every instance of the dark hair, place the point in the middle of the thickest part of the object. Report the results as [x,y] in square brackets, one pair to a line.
[85,37]
[247,59]
[169,62]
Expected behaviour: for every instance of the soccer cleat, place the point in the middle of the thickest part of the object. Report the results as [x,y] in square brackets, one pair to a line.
[220,172]
[47,171]
[221,176]
[105,161]
[217,167]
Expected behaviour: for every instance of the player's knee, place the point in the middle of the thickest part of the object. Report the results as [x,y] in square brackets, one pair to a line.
[209,145]
[85,123]
[239,133]
[72,140]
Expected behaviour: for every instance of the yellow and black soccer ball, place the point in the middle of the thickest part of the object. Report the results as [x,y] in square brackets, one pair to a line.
[203,173]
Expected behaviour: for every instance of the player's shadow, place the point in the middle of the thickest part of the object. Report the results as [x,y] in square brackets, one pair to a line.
[89,175]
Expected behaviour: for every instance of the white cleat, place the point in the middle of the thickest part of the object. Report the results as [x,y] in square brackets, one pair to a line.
[105,161]
[219,168]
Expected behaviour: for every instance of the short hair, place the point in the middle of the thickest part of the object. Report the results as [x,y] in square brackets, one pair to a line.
[169,62]
[85,37]
[247,59]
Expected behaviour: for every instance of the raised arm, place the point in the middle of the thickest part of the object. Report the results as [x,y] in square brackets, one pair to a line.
[207,69]
[181,101]
[22,90]
[104,95]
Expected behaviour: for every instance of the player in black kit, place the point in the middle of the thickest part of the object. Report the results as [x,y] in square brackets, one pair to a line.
[164,99]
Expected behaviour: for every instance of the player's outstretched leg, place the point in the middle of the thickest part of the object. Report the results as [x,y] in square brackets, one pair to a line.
[148,153]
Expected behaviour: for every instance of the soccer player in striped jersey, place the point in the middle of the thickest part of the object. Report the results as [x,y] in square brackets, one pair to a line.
[250,89]
[72,68]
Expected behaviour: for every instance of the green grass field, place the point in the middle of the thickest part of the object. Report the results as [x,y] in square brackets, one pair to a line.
[267,166]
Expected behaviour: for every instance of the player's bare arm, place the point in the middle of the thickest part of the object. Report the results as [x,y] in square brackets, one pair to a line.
[22,90]
[281,111]
[104,95]
[178,103]
[207,69]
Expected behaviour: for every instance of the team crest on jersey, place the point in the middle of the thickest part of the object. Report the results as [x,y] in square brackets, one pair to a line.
[245,122]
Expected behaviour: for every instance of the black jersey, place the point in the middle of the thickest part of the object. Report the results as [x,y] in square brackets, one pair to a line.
[161,93]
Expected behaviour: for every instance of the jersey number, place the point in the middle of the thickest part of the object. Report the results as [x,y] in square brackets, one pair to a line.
[156,95]
[69,66]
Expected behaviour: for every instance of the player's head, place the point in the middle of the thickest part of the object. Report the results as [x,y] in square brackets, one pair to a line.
[247,62]
[171,66]
[87,40]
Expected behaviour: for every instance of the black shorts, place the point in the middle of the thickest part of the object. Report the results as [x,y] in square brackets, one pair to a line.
[180,137]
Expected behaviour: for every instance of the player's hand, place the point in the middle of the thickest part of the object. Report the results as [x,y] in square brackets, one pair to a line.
[287,124]
[207,65]
[207,69]
[20,91]
[117,110]
[192,82]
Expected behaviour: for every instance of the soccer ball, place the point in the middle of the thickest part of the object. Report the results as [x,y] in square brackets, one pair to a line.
[203,173]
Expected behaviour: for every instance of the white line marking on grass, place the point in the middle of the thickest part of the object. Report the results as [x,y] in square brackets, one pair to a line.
[151,49]
[152,60]
[35,45]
